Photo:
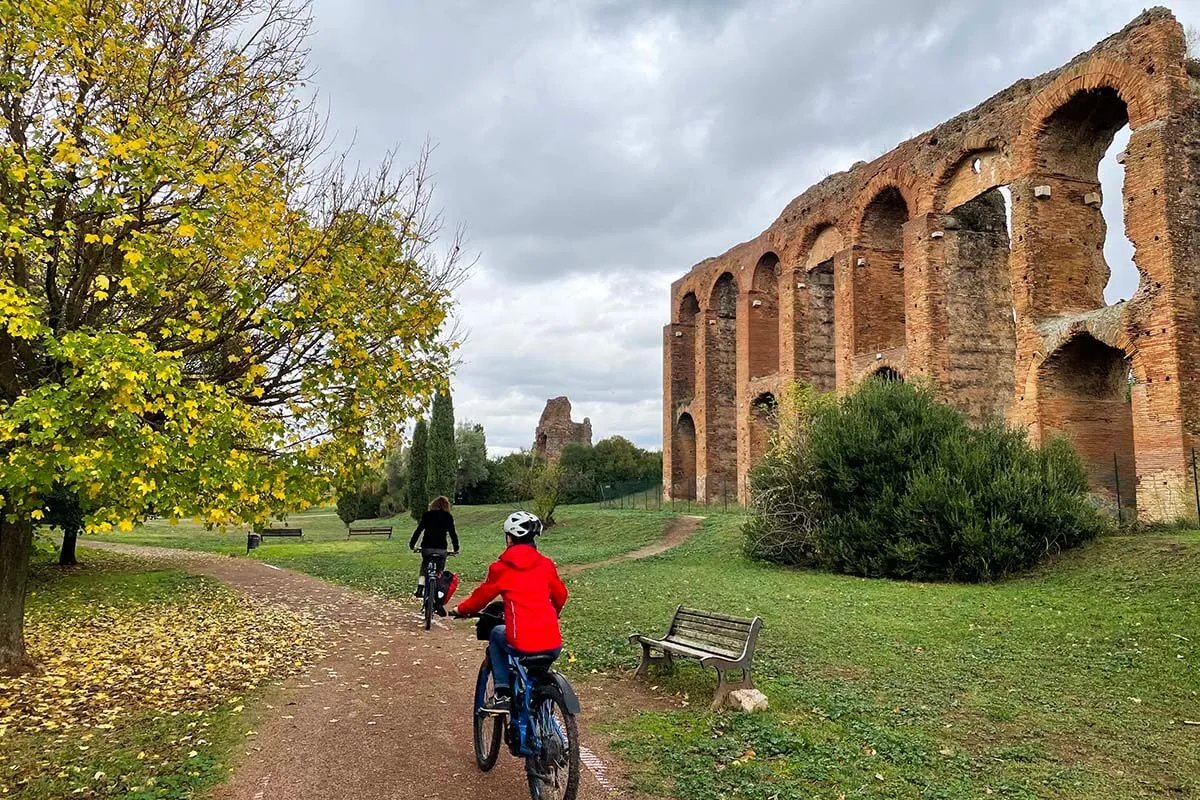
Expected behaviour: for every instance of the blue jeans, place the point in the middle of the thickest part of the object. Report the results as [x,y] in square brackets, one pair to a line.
[498,652]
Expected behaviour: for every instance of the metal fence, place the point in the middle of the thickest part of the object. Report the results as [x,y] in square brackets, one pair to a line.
[649,496]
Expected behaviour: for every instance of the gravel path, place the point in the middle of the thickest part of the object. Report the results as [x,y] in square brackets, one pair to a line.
[386,714]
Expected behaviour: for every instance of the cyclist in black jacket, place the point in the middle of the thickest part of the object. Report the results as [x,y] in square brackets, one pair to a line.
[432,530]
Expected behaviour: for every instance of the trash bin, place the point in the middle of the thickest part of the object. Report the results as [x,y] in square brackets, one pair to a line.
[253,540]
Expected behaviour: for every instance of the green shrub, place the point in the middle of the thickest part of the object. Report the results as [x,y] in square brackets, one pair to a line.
[887,482]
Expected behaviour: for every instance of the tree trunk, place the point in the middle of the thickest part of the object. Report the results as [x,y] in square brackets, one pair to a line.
[16,541]
[66,556]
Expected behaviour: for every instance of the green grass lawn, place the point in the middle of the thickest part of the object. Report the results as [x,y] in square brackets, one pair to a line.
[1074,682]
[1071,683]
[386,566]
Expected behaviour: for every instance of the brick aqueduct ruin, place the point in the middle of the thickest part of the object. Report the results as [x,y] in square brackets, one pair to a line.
[907,266]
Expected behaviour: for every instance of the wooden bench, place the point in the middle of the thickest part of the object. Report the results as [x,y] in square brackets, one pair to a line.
[715,640]
[369,531]
[293,532]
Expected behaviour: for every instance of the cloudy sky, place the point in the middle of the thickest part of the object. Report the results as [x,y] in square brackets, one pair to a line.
[596,149]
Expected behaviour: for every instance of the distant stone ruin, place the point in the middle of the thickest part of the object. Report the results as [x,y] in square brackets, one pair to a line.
[555,430]
[972,256]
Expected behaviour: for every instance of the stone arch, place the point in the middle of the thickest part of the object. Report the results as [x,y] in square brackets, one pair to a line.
[764,317]
[882,224]
[720,389]
[764,420]
[894,179]
[878,273]
[1084,394]
[1064,230]
[689,309]
[683,350]
[815,308]
[973,173]
[1072,139]
[683,458]
[1128,81]
[722,297]
[822,243]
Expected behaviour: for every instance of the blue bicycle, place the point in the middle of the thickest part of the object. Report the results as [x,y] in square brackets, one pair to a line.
[540,725]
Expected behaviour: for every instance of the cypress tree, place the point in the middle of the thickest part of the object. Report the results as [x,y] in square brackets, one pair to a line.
[418,496]
[442,471]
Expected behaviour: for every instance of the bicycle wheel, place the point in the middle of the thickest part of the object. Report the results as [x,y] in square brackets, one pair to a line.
[553,771]
[430,594]
[489,728]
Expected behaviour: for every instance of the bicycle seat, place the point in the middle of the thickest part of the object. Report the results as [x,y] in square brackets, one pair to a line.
[537,663]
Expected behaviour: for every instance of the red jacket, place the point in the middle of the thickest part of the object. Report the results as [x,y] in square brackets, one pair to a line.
[533,596]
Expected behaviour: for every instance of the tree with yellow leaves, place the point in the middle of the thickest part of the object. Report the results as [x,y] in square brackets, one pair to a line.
[200,315]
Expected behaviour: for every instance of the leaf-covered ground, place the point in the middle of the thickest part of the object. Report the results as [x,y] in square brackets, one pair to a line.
[143,671]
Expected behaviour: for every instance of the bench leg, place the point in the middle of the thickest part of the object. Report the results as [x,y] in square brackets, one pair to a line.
[643,669]
[725,686]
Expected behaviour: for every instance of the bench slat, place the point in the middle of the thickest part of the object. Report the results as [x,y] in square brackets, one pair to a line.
[703,633]
[693,651]
[708,644]
[714,628]
[720,623]
[713,615]
[707,648]
[730,645]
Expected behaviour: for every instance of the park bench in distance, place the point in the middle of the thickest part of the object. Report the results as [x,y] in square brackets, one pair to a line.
[292,532]
[376,531]
[715,640]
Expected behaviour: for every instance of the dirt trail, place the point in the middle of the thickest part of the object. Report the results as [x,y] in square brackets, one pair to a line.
[678,531]
[386,714]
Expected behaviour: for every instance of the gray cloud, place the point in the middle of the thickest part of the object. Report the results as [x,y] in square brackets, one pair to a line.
[597,149]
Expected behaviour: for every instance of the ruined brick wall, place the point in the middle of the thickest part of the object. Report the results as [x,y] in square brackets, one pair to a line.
[905,266]
[556,430]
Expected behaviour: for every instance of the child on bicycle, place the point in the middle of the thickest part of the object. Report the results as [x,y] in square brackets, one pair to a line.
[533,597]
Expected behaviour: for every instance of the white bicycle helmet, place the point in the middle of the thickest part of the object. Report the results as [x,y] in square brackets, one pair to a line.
[522,525]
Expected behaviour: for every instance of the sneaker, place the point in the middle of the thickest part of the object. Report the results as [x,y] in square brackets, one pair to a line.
[499,703]
[441,610]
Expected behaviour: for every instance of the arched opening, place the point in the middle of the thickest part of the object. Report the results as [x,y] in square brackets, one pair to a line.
[1084,395]
[1123,278]
[1067,231]
[683,351]
[981,339]
[720,390]
[683,458]
[879,275]
[764,317]
[815,349]
[887,375]
[764,419]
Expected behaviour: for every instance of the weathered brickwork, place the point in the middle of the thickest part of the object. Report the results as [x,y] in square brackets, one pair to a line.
[555,430]
[906,266]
